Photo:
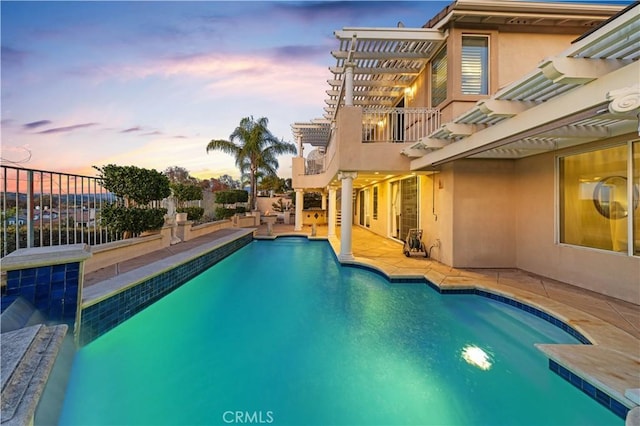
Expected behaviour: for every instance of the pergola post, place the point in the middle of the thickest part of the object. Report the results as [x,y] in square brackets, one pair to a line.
[346,178]
[299,205]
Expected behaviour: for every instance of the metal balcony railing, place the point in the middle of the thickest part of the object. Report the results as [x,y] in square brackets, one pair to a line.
[43,208]
[398,125]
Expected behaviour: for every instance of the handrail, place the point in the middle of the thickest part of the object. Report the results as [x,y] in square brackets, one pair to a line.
[46,208]
[398,125]
[384,125]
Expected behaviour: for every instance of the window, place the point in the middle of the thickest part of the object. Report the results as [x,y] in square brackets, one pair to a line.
[635,234]
[597,198]
[439,78]
[475,65]
[375,203]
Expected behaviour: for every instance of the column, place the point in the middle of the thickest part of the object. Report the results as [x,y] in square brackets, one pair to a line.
[348,85]
[323,201]
[300,151]
[332,212]
[346,178]
[299,205]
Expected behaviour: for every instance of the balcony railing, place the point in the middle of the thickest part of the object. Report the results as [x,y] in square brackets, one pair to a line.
[44,208]
[398,125]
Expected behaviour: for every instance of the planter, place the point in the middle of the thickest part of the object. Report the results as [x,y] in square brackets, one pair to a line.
[181,217]
[269,219]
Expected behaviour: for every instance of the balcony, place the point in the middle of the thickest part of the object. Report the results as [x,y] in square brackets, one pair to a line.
[363,139]
[398,125]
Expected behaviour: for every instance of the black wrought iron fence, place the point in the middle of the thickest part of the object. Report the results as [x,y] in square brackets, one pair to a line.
[45,208]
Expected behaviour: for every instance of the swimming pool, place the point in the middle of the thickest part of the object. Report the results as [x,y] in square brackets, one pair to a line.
[280,333]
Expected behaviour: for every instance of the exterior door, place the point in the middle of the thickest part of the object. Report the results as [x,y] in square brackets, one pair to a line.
[409,201]
[404,207]
[364,208]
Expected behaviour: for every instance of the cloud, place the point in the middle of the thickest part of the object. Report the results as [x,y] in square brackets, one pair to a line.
[35,124]
[131,129]
[66,128]
[309,11]
[300,52]
[11,56]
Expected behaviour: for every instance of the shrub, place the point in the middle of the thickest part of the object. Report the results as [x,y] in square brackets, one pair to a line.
[224,213]
[134,183]
[136,186]
[232,196]
[186,192]
[132,220]
[193,213]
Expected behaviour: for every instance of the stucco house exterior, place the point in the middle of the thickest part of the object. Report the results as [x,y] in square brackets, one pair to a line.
[508,131]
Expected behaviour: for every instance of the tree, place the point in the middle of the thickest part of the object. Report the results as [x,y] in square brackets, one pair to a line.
[273,183]
[177,174]
[255,150]
[230,182]
[138,187]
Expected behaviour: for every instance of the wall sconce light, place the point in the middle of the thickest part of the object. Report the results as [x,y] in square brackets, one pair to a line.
[409,92]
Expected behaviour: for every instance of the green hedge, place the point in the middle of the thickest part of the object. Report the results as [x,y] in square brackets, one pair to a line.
[224,213]
[133,219]
[186,191]
[193,213]
[232,196]
[135,183]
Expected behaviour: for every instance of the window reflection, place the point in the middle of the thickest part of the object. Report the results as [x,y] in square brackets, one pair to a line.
[610,197]
[594,207]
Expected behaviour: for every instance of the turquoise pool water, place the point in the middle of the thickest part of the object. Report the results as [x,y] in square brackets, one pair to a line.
[278,333]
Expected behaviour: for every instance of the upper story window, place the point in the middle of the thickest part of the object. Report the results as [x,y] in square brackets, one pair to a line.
[475,65]
[439,78]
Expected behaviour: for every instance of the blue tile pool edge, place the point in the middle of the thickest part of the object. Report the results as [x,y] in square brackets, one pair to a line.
[98,318]
[478,292]
[608,401]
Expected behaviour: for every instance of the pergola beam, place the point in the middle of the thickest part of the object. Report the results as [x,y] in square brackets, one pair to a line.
[397,34]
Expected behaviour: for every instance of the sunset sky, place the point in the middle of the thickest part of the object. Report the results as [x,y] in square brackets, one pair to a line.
[150,83]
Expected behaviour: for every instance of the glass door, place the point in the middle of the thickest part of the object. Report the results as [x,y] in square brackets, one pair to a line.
[404,207]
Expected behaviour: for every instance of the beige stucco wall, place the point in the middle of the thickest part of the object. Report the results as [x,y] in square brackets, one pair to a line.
[354,155]
[519,53]
[104,255]
[482,212]
[435,215]
[606,272]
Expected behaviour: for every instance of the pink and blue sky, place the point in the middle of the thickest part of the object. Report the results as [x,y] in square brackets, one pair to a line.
[151,83]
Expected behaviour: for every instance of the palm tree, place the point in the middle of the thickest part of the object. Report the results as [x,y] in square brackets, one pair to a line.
[255,150]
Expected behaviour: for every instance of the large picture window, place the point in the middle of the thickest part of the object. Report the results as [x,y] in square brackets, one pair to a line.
[475,65]
[598,198]
[635,235]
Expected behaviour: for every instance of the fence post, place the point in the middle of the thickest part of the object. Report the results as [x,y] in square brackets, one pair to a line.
[29,209]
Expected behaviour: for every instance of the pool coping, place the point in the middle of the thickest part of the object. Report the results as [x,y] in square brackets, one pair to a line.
[584,366]
[28,356]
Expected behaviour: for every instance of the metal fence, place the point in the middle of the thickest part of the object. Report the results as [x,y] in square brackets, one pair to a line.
[44,208]
[398,125]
